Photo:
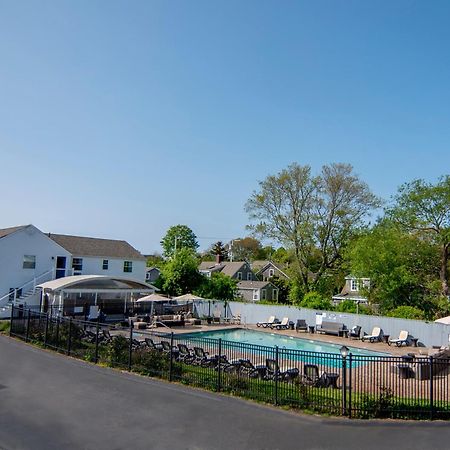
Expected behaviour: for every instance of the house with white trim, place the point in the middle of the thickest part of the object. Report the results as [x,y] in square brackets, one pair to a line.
[353,290]
[29,257]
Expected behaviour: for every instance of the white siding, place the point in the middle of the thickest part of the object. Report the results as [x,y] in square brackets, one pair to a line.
[94,266]
[28,241]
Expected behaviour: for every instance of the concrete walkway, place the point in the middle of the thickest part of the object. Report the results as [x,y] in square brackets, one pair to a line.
[49,401]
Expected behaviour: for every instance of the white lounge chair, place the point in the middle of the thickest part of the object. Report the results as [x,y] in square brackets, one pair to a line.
[271,321]
[284,324]
[402,339]
[374,337]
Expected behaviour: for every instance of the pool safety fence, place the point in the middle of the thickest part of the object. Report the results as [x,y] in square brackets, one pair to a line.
[408,387]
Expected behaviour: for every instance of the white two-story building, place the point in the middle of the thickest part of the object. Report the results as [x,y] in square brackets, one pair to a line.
[29,257]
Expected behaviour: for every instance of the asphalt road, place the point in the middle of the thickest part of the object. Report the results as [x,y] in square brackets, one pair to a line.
[48,401]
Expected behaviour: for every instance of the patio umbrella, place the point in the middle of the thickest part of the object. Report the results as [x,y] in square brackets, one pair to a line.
[189,297]
[153,298]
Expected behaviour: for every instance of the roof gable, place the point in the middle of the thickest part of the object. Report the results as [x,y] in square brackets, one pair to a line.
[7,231]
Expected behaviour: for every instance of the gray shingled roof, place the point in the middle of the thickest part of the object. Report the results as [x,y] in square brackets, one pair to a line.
[86,246]
[227,268]
[252,284]
[6,231]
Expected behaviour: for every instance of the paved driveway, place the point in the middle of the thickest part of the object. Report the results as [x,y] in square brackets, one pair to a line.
[48,401]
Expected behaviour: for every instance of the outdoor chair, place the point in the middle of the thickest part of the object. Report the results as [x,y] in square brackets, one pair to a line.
[301,325]
[283,325]
[374,337]
[273,371]
[185,355]
[269,323]
[247,368]
[312,377]
[152,346]
[355,332]
[203,359]
[167,348]
[402,339]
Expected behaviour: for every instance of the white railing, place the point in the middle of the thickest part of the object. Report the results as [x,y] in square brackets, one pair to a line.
[11,297]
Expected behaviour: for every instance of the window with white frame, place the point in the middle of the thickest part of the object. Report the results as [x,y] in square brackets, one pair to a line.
[271,272]
[77,264]
[354,286]
[239,275]
[263,294]
[105,264]
[249,276]
[128,266]
[29,261]
[255,294]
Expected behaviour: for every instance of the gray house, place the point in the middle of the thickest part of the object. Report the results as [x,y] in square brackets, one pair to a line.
[352,290]
[152,274]
[238,270]
[265,270]
[254,291]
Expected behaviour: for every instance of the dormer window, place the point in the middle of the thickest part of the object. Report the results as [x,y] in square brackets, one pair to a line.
[354,285]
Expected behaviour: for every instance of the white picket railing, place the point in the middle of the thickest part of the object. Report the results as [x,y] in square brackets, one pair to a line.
[11,297]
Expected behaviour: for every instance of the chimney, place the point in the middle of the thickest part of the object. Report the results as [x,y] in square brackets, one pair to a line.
[219,259]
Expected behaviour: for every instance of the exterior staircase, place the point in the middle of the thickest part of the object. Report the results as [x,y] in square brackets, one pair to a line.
[23,294]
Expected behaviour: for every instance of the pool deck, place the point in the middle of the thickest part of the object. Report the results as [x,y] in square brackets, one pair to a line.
[376,346]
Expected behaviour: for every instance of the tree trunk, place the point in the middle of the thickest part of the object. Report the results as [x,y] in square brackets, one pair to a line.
[443,271]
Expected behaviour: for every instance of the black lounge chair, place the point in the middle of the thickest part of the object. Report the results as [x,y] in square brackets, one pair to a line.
[247,368]
[185,355]
[273,371]
[152,346]
[168,349]
[355,332]
[203,359]
[301,325]
[312,377]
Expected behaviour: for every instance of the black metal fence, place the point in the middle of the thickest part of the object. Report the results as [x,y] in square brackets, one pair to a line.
[410,387]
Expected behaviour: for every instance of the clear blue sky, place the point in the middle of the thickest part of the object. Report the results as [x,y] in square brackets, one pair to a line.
[121,118]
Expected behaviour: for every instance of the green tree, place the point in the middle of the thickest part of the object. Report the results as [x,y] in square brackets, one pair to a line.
[178,237]
[314,300]
[180,274]
[313,216]
[423,208]
[155,261]
[245,249]
[218,287]
[407,312]
[402,267]
[348,306]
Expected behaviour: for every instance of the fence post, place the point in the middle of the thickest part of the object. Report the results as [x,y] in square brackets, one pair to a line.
[344,385]
[69,339]
[350,385]
[130,348]
[12,321]
[97,327]
[171,357]
[277,369]
[219,381]
[431,389]
[46,330]
[27,335]
[57,332]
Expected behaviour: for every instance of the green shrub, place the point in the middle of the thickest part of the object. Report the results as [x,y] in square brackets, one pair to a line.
[5,326]
[407,312]
[347,306]
[314,300]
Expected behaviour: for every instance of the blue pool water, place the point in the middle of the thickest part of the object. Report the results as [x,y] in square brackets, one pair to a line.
[282,341]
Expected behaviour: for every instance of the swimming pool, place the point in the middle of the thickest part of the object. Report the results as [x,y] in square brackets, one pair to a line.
[282,341]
